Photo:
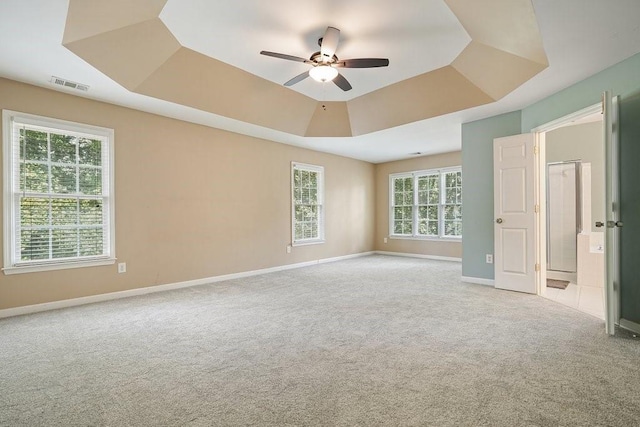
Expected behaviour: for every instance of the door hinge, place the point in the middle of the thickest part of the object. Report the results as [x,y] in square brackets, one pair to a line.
[536,208]
[537,267]
[535,149]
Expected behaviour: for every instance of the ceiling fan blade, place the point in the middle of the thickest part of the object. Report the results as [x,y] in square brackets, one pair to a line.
[342,83]
[329,43]
[297,79]
[363,63]
[283,56]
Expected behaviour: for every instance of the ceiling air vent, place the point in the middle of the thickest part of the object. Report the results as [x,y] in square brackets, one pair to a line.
[67,83]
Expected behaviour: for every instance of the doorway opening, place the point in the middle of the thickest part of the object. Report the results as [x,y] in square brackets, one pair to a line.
[571,195]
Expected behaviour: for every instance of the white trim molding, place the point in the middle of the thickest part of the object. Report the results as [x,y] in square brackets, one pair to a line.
[569,118]
[478,280]
[630,326]
[14,263]
[319,204]
[415,176]
[345,257]
[36,308]
[410,255]
[59,266]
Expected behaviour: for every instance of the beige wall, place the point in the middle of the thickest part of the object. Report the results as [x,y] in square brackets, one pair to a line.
[423,247]
[194,202]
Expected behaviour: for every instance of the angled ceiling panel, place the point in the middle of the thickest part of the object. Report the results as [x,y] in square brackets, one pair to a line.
[193,79]
[508,25]
[86,18]
[495,71]
[429,95]
[130,54]
[330,119]
[129,42]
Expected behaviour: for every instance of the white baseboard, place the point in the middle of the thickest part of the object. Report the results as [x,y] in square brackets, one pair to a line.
[630,326]
[342,258]
[478,280]
[35,308]
[409,255]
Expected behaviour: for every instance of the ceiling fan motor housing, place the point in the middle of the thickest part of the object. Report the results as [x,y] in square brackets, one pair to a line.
[317,58]
[325,61]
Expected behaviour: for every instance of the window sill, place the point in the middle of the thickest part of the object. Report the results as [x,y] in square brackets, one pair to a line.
[34,268]
[431,238]
[308,242]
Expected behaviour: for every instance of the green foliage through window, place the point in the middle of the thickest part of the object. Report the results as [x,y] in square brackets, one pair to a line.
[427,204]
[307,203]
[60,202]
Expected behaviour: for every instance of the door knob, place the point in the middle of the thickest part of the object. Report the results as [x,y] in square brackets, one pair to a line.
[499,220]
[599,224]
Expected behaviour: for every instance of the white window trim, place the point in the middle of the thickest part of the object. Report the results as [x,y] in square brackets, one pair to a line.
[320,238]
[441,236]
[10,267]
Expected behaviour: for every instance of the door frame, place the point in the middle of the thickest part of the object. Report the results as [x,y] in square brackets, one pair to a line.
[541,186]
[541,196]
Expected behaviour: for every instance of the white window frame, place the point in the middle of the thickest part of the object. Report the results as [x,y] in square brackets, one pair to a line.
[441,172]
[11,264]
[320,203]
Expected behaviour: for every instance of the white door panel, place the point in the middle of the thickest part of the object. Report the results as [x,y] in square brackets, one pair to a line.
[513,261]
[514,226]
[513,183]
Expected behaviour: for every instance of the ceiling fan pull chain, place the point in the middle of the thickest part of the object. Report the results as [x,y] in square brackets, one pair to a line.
[322,97]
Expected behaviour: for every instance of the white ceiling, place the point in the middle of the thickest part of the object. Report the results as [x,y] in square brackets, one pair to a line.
[581,37]
[402,33]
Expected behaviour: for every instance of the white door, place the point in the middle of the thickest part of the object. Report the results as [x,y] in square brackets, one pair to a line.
[514,215]
[610,118]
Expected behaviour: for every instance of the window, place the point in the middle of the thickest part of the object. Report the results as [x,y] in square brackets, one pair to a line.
[426,204]
[58,210]
[307,187]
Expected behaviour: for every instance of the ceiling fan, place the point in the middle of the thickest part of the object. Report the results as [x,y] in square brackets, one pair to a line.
[325,62]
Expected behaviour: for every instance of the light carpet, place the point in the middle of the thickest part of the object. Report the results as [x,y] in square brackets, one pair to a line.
[370,341]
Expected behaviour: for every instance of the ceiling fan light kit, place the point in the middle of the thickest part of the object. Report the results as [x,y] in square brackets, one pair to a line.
[325,61]
[323,73]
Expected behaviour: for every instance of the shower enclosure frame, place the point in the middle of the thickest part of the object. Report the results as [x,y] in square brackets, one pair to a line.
[578,204]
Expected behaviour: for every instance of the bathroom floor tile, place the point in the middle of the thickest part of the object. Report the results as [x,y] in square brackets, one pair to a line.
[569,296]
[591,300]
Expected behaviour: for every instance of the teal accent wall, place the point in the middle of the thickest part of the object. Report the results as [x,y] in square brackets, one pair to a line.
[622,78]
[477,153]
[477,190]
[630,207]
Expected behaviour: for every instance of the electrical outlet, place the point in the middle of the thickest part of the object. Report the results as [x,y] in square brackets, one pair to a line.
[288,249]
[122,267]
[489,258]
[385,240]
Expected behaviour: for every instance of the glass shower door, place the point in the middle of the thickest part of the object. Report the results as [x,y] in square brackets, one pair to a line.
[563,215]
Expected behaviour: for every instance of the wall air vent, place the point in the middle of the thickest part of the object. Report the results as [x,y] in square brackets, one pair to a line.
[67,83]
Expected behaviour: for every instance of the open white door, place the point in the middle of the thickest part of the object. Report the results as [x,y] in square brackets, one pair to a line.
[514,202]
[612,268]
